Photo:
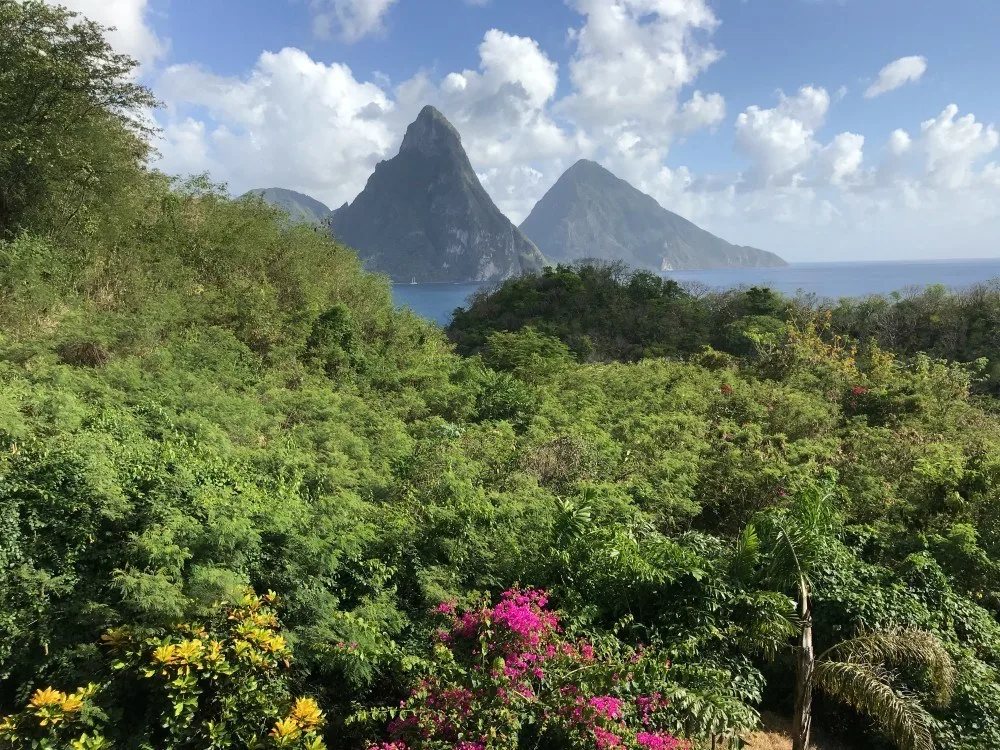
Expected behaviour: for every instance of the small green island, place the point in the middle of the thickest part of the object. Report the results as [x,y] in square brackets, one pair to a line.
[246,502]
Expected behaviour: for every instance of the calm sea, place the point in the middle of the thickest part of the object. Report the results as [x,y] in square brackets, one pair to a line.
[437,302]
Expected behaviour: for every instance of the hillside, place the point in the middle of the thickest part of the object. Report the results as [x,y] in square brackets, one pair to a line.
[299,207]
[590,213]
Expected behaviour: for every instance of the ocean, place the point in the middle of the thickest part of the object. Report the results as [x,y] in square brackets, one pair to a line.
[437,302]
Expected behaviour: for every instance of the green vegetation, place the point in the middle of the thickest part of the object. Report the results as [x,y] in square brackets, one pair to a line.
[607,312]
[198,398]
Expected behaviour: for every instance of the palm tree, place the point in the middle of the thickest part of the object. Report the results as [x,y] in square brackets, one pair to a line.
[856,672]
[791,543]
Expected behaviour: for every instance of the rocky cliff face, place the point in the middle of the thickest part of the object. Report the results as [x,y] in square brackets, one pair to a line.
[425,216]
[590,213]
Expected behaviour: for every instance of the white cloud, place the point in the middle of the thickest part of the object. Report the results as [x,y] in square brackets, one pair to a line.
[351,19]
[897,73]
[954,145]
[840,161]
[899,142]
[506,58]
[133,32]
[781,141]
[292,122]
[516,188]
[633,57]
[501,109]
[700,112]
[190,150]
[810,106]
[631,66]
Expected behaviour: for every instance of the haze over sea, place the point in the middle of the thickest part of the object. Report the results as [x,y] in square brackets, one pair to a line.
[437,302]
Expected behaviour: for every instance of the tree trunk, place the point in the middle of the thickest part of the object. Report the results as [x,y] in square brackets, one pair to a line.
[805,662]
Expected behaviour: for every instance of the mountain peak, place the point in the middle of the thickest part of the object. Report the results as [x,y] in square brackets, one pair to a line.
[424,215]
[588,170]
[590,212]
[585,164]
[431,134]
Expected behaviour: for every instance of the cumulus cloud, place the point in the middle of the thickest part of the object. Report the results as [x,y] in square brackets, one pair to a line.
[630,70]
[133,33]
[897,73]
[501,109]
[516,188]
[899,142]
[298,123]
[293,122]
[701,112]
[633,57]
[781,141]
[954,144]
[840,161]
[350,19]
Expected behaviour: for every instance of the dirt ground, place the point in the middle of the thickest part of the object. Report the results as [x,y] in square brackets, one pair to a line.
[775,736]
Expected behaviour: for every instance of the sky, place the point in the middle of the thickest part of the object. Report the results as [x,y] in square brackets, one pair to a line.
[822,130]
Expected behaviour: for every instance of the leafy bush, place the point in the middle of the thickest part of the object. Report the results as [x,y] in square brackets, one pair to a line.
[225,684]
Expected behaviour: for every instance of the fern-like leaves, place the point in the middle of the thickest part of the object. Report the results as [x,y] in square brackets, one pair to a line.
[901,647]
[866,688]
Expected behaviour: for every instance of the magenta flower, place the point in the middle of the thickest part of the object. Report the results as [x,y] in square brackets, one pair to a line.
[607,706]
[658,741]
[511,666]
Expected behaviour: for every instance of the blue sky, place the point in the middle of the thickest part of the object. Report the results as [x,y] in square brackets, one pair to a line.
[765,121]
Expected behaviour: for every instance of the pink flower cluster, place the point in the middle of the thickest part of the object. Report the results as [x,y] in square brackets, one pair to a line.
[516,669]
[647,705]
[606,706]
[658,741]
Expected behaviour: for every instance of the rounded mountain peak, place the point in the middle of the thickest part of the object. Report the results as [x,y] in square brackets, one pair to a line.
[431,134]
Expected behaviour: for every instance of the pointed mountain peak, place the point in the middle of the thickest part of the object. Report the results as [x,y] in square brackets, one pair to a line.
[589,170]
[586,165]
[425,216]
[431,134]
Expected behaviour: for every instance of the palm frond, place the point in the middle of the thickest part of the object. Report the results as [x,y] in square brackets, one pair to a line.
[901,647]
[813,508]
[866,688]
[746,555]
[798,537]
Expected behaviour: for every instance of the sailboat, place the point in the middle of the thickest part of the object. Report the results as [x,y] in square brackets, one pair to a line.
[413,280]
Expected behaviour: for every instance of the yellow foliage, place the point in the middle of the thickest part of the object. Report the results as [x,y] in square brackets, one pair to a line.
[45,697]
[307,714]
[72,703]
[285,729]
